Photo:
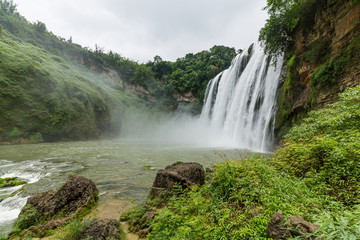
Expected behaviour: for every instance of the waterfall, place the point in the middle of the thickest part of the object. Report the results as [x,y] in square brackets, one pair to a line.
[240,102]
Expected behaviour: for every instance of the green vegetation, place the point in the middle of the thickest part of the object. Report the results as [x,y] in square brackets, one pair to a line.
[28,217]
[192,72]
[328,73]
[75,229]
[43,98]
[10,182]
[285,17]
[324,148]
[285,101]
[276,34]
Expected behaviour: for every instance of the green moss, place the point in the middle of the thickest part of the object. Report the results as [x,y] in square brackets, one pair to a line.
[176,163]
[148,167]
[29,216]
[10,182]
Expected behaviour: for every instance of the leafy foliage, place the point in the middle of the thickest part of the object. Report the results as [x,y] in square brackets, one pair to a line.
[8,7]
[276,34]
[285,17]
[325,148]
[340,225]
[75,229]
[192,72]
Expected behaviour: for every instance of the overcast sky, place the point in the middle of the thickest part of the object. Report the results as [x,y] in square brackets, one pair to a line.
[141,29]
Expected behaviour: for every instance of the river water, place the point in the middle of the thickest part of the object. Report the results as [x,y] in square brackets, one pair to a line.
[123,168]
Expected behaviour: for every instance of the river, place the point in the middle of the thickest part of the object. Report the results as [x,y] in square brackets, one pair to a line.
[123,168]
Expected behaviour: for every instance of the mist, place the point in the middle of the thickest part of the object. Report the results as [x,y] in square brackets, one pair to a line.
[178,128]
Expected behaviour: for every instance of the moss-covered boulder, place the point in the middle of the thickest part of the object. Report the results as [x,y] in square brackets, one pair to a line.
[76,196]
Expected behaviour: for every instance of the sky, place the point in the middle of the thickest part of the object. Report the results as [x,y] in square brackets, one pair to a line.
[142,29]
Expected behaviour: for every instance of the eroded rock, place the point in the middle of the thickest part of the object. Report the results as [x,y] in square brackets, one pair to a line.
[277,228]
[185,174]
[293,226]
[72,198]
[103,229]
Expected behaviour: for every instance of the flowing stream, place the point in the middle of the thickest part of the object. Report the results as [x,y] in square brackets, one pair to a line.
[124,168]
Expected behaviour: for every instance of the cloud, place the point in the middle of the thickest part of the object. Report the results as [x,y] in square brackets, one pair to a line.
[141,29]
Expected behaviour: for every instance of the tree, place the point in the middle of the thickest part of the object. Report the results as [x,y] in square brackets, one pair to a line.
[40,27]
[276,35]
[8,7]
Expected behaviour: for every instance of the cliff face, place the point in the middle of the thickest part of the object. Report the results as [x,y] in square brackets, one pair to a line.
[323,61]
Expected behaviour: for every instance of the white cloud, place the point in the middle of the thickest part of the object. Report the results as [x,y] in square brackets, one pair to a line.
[141,29]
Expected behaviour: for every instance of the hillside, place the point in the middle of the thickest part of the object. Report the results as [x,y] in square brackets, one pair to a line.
[52,89]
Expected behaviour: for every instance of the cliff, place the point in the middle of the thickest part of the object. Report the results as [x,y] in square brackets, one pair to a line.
[323,60]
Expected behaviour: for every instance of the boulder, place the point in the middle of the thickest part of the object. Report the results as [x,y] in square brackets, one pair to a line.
[293,226]
[277,227]
[185,174]
[300,227]
[103,229]
[73,197]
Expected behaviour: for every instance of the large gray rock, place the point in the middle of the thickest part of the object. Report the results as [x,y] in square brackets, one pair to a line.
[293,226]
[185,174]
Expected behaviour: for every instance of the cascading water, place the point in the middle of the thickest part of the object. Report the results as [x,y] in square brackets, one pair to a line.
[240,102]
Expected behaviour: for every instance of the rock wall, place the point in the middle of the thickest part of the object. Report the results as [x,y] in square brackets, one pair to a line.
[325,61]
